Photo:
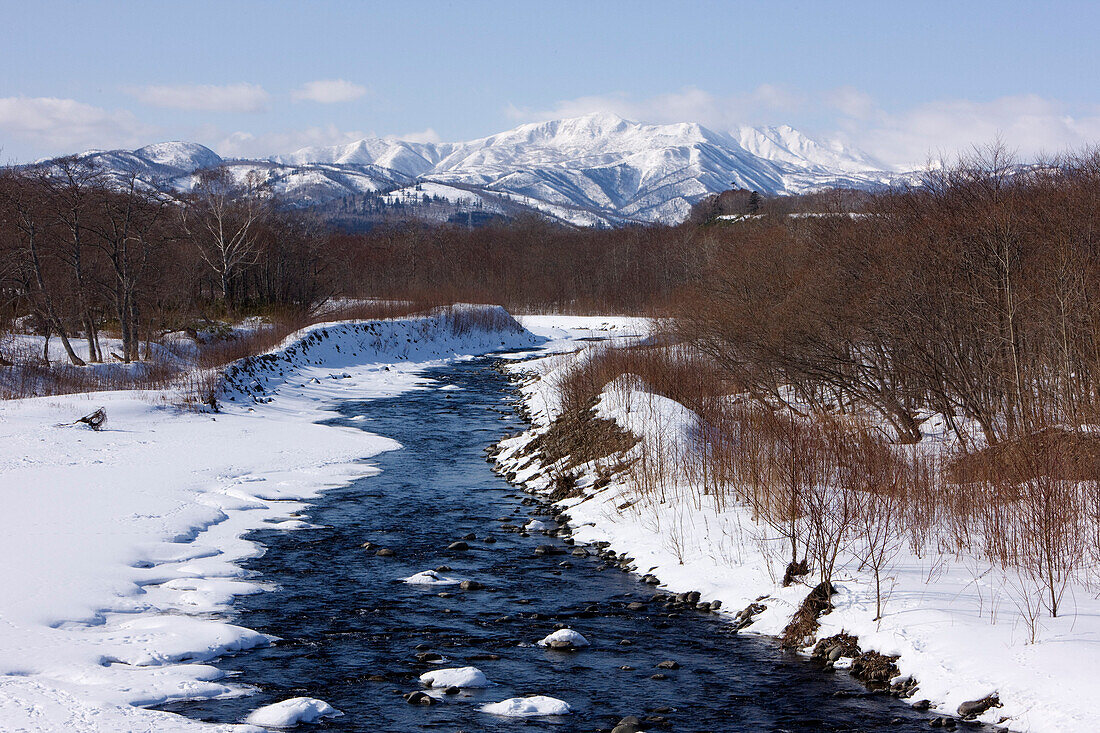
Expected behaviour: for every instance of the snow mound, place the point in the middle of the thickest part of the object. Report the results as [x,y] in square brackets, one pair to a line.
[430,577]
[567,635]
[522,707]
[455,677]
[317,351]
[289,713]
[536,525]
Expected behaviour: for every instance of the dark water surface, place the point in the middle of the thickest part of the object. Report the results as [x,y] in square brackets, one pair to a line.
[344,616]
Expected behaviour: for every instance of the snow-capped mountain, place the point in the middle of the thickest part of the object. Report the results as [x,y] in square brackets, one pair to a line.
[597,169]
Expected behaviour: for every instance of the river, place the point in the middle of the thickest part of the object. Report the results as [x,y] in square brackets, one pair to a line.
[350,630]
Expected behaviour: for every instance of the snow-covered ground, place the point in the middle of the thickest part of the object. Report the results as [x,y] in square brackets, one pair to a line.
[122,546]
[958,624]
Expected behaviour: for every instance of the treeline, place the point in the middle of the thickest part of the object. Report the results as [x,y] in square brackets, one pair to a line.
[81,252]
[740,202]
[526,265]
[84,252]
[975,296]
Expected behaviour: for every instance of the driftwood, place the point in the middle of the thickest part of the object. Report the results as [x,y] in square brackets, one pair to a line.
[95,420]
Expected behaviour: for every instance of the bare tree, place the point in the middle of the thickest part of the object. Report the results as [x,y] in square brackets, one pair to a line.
[221,217]
[70,184]
[126,233]
[22,202]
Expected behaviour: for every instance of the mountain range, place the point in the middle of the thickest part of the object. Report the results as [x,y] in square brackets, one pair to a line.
[594,170]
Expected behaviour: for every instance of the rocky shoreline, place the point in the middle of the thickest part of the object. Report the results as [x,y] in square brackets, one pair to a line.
[524,454]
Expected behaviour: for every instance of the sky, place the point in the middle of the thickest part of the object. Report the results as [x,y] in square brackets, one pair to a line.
[902,81]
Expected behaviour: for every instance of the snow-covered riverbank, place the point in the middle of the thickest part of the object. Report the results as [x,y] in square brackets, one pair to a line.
[958,624]
[122,545]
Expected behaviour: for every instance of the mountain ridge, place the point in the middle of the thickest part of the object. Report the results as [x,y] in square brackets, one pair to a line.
[596,169]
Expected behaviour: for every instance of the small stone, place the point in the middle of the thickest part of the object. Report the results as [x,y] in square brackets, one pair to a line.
[452,690]
[385,552]
[629,724]
[458,546]
[658,676]
[419,698]
[668,664]
[443,569]
[429,657]
[635,606]
[470,585]
[973,708]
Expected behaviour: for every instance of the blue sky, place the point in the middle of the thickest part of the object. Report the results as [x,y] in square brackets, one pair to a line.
[899,80]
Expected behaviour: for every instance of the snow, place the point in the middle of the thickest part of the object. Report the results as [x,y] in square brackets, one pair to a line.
[455,677]
[524,707]
[430,577]
[956,621]
[567,635]
[590,170]
[124,545]
[183,156]
[289,713]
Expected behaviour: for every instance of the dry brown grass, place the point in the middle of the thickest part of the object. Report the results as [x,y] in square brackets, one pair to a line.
[30,376]
[225,351]
[834,487]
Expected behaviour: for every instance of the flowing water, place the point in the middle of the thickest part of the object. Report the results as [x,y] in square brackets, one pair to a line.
[351,630]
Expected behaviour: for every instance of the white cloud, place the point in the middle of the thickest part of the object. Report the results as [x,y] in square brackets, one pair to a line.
[247,145]
[851,102]
[54,125]
[204,97]
[424,136]
[766,104]
[905,138]
[328,91]
[1029,124]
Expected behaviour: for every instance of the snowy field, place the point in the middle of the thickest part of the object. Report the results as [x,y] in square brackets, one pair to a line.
[123,545]
[958,624]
